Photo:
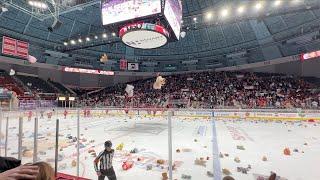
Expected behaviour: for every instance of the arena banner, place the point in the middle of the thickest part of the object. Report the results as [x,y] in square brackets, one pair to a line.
[87,71]
[287,115]
[27,105]
[133,66]
[22,49]
[123,64]
[193,113]
[266,115]
[310,115]
[46,103]
[33,104]
[310,55]
[9,46]
[13,47]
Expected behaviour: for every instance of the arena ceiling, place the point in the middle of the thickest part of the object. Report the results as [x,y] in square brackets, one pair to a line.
[216,34]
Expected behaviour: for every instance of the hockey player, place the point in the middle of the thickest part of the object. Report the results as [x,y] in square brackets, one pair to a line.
[65,113]
[103,163]
[49,114]
[88,112]
[85,112]
[29,115]
[41,114]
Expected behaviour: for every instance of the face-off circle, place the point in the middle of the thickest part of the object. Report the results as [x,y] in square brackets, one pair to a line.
[144,35]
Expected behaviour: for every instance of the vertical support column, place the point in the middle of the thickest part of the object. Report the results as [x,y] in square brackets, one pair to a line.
[170,143]
[57,146]
[10,104]
[35,140]
[78,142]
[20,138]
[0,128]
[6,141]
[215,151]
[137,119]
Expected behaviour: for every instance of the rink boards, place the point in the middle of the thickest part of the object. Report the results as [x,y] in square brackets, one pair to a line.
[253,114]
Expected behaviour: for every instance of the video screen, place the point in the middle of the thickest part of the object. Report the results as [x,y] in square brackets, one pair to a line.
[173,13]
[114,11]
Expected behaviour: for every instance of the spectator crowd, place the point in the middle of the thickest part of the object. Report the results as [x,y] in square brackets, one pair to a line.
[213,90]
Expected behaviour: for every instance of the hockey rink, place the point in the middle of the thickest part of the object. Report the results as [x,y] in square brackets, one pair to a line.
[200,146]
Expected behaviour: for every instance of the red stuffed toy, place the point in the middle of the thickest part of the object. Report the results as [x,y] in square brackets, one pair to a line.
[127,165]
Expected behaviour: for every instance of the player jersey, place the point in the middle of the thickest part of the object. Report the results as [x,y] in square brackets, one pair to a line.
[105,159]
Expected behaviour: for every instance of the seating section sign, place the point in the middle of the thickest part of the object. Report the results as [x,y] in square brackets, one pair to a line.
[15,47]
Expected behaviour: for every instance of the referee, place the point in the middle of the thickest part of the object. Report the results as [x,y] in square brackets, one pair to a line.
[105,159]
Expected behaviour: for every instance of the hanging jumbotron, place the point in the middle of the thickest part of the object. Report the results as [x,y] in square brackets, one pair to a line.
[143,24]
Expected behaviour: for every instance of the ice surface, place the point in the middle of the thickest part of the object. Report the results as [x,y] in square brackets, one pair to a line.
[150,136]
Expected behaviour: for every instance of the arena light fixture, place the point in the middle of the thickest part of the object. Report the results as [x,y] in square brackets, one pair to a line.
[209,15]
[96,37]
[277,3]
[295,2]
[62,98]
[104,35]
[73,42]
[258,6]
[224,12]
[195,19]
[65,43]
[38,4]
[240,9]
[87,39]
[80,40]
[113,34]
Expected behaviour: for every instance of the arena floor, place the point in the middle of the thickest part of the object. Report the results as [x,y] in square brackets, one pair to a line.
[195,138]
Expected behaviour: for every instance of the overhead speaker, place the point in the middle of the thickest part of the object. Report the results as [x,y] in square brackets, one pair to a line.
[56,25]
[3,9]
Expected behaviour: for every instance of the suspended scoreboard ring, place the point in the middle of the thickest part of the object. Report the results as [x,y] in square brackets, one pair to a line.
[143,24]
[144,35]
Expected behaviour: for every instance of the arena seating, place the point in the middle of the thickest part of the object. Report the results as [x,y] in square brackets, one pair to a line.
[9,83]
[41,88]
[60,87]
[36,84]
[215,89]
[83,92]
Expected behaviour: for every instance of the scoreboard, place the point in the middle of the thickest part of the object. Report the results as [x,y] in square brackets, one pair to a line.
[117,14]
[115,11]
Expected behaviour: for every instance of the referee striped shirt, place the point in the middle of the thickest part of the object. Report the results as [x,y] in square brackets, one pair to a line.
[105,159]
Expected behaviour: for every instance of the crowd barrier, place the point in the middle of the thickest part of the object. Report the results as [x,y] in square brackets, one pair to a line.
[252,114]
